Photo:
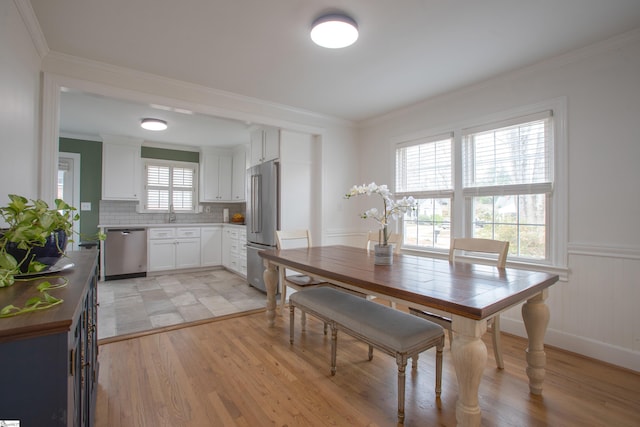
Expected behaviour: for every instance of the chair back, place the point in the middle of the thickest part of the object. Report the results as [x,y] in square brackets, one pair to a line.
[498,247]
[289,239]
[373,237]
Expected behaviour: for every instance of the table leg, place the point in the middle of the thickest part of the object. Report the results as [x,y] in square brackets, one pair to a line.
[270,276]
[469,358]
[535,314]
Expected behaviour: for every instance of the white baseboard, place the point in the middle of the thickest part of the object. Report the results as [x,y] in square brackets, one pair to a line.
[608,353]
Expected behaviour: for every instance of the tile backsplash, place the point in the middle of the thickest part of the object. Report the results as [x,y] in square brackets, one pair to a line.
[125,213]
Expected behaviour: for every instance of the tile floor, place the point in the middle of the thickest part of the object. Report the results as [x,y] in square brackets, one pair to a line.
[141,304]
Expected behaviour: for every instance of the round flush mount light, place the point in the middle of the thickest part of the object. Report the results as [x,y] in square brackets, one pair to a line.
[334,31]
[153,124]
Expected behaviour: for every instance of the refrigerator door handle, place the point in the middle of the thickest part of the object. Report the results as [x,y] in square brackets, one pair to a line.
[256,203]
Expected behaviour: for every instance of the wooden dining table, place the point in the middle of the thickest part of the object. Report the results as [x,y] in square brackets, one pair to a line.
[468,293]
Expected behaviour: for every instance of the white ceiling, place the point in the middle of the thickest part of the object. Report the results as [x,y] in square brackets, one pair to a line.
[408,50]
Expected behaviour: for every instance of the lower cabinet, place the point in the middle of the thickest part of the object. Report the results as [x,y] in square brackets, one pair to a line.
[211,246]
[50,357]
[173,248]
[234,250]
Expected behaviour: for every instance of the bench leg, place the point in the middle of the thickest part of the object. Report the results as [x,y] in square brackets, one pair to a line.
[414,362]
[303,320]
[334,348]
[292,319]
[370,352]
[439,349]
[401,360]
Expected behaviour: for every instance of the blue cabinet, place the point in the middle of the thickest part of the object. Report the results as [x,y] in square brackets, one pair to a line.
[49,359]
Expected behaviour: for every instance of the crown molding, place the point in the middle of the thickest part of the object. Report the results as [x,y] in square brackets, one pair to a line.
[33,26]
[179,86]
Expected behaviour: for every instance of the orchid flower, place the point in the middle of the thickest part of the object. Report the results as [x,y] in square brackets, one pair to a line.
[391,209]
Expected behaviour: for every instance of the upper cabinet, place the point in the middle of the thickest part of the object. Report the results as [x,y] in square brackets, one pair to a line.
[239,178]
[265,145]
[215,175]
[120,168]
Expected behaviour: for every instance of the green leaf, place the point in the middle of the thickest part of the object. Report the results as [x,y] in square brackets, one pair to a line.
[7,261]
[36,267]
[8,309]
[32,302]
[44,286]
[50,299]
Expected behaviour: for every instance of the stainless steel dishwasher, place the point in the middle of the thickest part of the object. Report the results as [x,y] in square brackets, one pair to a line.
[125,253]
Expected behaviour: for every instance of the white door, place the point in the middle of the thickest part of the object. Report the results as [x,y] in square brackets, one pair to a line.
[69,189]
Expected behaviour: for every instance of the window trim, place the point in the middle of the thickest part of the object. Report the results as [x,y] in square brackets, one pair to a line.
[558,197]
[171,164]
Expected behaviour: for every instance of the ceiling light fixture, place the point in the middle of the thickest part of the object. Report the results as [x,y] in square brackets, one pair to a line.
[334,31]
[153,124]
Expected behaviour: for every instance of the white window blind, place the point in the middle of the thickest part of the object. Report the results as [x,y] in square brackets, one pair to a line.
[507,180]
[169,187]
[515,155]
[183,189]
[425,166]
[424,170]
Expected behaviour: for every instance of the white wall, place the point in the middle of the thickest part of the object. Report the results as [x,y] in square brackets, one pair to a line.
[19,111]
[595,312]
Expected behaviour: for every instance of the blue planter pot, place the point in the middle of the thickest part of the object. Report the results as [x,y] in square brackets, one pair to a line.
[48,254]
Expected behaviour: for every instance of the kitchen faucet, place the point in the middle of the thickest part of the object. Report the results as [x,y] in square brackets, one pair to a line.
[172,214]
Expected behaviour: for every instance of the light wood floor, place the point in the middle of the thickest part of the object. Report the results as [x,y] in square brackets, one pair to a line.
[238,372]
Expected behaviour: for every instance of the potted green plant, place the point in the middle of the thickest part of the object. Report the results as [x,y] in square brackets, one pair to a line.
[35,236]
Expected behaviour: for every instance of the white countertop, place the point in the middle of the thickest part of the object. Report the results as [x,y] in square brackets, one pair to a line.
[172,224]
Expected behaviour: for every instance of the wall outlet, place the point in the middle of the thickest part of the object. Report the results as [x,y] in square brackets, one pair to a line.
[207,209]
[85,206]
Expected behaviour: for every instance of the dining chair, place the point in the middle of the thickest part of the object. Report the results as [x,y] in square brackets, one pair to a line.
[289,240]
[373,238]
[474,245]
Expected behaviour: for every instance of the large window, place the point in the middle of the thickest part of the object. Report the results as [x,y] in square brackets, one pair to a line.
[424,170]
[494,180]
[507,170]
[170,186]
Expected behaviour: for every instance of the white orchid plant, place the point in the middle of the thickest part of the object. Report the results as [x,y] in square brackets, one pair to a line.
[392,209]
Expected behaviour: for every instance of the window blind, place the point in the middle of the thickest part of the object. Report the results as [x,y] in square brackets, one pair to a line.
[516,154]
[425,166]
[170,187]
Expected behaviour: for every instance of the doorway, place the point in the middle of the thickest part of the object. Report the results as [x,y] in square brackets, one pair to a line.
[68,189]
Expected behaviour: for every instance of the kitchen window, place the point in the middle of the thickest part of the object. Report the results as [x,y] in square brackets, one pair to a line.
[170,186]
[492,180]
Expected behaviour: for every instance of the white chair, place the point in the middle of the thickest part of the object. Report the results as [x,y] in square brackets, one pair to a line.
[373,238]
[501,249]
[289,240]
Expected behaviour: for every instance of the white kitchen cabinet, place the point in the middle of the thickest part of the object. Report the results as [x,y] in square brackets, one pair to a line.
[242,253]
[234,249]
[173,248]
[162,255]
[226,246]
[210,246]
[187,253]
[239,177]
[215,176]
[121,168]
[265,145]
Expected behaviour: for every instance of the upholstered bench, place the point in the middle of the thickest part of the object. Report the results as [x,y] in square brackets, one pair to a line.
[396,333]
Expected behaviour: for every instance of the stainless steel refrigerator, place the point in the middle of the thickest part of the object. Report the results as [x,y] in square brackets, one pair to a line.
[263,217]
